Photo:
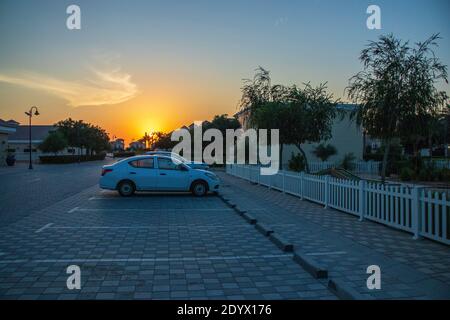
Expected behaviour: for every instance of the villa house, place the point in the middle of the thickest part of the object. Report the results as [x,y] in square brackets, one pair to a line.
[118,145]
[137,145]
[347,137]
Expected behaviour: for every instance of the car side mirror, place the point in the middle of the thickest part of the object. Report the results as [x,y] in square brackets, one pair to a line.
[182,167]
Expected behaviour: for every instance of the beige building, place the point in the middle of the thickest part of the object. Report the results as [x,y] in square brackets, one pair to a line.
[6,129]
[347,137]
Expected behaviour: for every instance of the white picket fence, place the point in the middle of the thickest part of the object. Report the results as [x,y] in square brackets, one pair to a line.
[440,163]
[368,167]
[412,209]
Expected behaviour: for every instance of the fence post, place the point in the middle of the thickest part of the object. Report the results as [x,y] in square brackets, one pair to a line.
[362,198]
[327,184]
[258,173]
[301,184]
[284,186]
[270,181]
[415,207]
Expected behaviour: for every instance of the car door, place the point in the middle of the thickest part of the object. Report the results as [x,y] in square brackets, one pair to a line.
[143,173]
[172,175]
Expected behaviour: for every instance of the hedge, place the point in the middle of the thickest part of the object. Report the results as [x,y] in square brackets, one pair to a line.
[124,154]
[71,158]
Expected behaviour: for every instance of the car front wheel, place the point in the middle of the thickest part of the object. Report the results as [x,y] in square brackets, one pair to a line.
[199,189]
[126,188]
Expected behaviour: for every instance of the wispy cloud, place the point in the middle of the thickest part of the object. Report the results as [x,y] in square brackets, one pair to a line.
[102,88]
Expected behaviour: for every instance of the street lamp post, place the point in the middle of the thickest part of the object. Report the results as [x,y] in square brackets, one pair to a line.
[30,115]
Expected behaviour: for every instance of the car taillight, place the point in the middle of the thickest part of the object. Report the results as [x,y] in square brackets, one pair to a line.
[105,171]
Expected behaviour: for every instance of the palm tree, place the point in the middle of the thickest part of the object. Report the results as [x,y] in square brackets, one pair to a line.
[146,139]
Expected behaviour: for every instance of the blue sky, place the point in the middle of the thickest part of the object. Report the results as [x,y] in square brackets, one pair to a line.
[153,59]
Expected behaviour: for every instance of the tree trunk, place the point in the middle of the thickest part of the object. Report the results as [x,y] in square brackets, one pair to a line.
[387,146]
[281,157]
[430,145]
[415,155]
[304,157]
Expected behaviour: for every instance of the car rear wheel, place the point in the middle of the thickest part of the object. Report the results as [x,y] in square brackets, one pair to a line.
[126,188]
[199,189]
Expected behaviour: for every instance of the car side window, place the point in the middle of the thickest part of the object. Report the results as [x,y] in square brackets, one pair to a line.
[167,164]
[143,163]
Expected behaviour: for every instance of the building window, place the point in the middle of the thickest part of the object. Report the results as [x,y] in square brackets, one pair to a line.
[28,150]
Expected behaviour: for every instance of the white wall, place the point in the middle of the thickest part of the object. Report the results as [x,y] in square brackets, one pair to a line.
[346,138]
[24,156]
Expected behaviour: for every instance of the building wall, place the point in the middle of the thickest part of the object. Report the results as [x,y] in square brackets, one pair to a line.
[3,147]
[22,153]
[347,138]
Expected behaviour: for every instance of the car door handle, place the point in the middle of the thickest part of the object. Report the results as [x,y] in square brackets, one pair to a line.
[163,174]
[132,172]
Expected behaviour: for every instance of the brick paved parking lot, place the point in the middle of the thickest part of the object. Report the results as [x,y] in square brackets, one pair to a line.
[151,246]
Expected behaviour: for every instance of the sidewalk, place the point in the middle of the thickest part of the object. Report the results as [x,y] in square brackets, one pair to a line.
[410,269]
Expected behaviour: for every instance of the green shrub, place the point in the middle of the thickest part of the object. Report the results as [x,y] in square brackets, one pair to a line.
[124,154]
[348,162]
[297,163]
[71,158]
[444,175]
[323,152]
[406,174]
[423,175]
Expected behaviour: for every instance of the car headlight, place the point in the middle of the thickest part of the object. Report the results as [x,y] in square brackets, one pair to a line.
[212,176]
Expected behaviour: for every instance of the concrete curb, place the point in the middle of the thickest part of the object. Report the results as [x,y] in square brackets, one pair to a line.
[281,243]
[239,211]
[345,292]
[310,265]
[265,230]
[230,203]
[249,218]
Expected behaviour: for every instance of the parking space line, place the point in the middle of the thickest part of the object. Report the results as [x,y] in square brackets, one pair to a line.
[146,210]
[152,227]
[48,225]
[215,258]
[325,253]
[73,210]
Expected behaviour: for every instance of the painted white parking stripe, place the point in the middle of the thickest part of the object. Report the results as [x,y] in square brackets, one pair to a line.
[73,210]
[146,210]
[48,225]
[325,253]
[156,227]
[147,259]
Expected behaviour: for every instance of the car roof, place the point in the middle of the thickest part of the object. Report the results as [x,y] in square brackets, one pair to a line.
[159,152]
[144,156]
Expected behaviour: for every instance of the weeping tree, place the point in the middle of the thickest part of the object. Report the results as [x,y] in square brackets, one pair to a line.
[302,115]
[397,89]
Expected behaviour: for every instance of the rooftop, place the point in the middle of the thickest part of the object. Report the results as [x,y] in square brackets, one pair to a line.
[38,132]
